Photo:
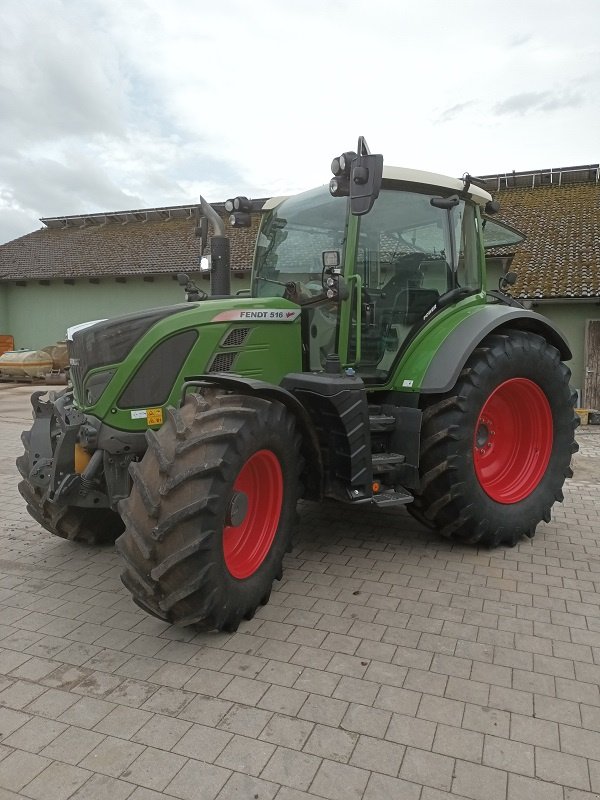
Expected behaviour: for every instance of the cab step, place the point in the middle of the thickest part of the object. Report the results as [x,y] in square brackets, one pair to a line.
[389,499]
[386,462]
[381,423]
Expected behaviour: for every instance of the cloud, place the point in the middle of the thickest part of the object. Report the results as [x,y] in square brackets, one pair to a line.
[106,104]
[528,102]
[57,79]
[454,111]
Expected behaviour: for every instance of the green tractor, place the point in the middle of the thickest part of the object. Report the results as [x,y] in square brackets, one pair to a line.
[369,365]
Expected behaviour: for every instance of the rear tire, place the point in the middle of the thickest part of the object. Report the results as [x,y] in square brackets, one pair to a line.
[212,510]
[495,451]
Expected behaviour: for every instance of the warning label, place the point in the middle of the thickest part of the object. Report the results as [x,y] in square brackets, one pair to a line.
[154,416]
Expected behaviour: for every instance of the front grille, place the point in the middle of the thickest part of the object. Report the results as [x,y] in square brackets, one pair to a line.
[222,362]
[236,338]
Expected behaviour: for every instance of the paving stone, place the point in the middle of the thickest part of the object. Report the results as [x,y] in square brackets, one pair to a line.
[123,721]
[245,720]
[244,690]
[57,782]
[410,731]
[392,698]
[377,755]
[510,756]
[383,787]
[205,710]
[339,781]
[520,787]
[154,768]
[426,768]
[569,770]
[112,756]
[19,694]
[245,755]
[34,735]
[486,720]
[479,782]
[317,681]
[102,787]
[362,719]
[458,743]
[580,742]
[162,732]
[286,731]
[291,768]
[72,745]
[534,731]
[331,743]
[241,787]
[323,709]
[19,768]
[283,700]
[86,712]
[202,743]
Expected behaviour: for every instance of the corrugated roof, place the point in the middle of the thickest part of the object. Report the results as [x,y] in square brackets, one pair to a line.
[112,248]
[560,257]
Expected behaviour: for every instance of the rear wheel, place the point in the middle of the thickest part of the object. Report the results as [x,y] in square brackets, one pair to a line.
[212,510]
[496,449]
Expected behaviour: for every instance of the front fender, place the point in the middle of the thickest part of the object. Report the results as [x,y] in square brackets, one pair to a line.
[452,354]
[313,470]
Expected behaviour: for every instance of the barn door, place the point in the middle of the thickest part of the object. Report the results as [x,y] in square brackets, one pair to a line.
[591,394]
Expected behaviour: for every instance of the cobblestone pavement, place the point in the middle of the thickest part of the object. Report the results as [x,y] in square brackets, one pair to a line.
[388,664]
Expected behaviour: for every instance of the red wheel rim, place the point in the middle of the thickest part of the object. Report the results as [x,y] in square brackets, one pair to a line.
[246,545]
[513,440]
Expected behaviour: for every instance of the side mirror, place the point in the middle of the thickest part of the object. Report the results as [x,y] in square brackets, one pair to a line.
[366,176]
[507,280]
[358,175]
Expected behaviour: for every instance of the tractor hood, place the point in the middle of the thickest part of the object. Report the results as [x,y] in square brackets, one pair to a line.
[120,367]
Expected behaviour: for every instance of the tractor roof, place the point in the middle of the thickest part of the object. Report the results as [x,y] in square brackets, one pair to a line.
[434,180]
[416,177]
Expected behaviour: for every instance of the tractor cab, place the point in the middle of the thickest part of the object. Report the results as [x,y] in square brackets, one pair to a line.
[369,282]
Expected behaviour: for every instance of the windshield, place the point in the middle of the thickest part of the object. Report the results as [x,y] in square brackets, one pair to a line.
[292,240]
[409,253]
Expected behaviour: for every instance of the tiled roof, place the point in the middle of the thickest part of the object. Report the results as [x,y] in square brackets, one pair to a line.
[561,255]
[153,247]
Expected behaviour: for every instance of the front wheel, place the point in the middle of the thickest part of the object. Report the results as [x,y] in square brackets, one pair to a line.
[497,448]
[212,510]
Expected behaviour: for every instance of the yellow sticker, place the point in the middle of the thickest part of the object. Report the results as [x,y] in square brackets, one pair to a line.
[154,416]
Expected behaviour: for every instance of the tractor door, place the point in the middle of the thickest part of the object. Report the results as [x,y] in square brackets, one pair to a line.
[409,254]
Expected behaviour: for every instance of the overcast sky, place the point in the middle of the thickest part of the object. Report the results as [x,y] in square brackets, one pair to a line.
[110,105]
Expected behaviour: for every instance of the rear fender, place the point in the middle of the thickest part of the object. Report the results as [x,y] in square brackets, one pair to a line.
[452,354]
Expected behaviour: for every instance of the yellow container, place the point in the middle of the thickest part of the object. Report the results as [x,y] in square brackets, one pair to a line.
[582,413]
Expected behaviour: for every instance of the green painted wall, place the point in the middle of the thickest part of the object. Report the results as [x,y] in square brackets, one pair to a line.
[3,310]
[570,318]
[39,315]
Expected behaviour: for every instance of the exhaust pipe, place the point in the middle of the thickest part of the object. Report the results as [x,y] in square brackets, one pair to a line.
[220,275]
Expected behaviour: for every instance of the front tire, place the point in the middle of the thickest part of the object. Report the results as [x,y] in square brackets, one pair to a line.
[212,510]
[496,450]
[88,525]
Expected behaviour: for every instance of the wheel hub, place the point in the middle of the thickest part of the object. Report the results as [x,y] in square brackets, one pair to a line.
[238,508]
